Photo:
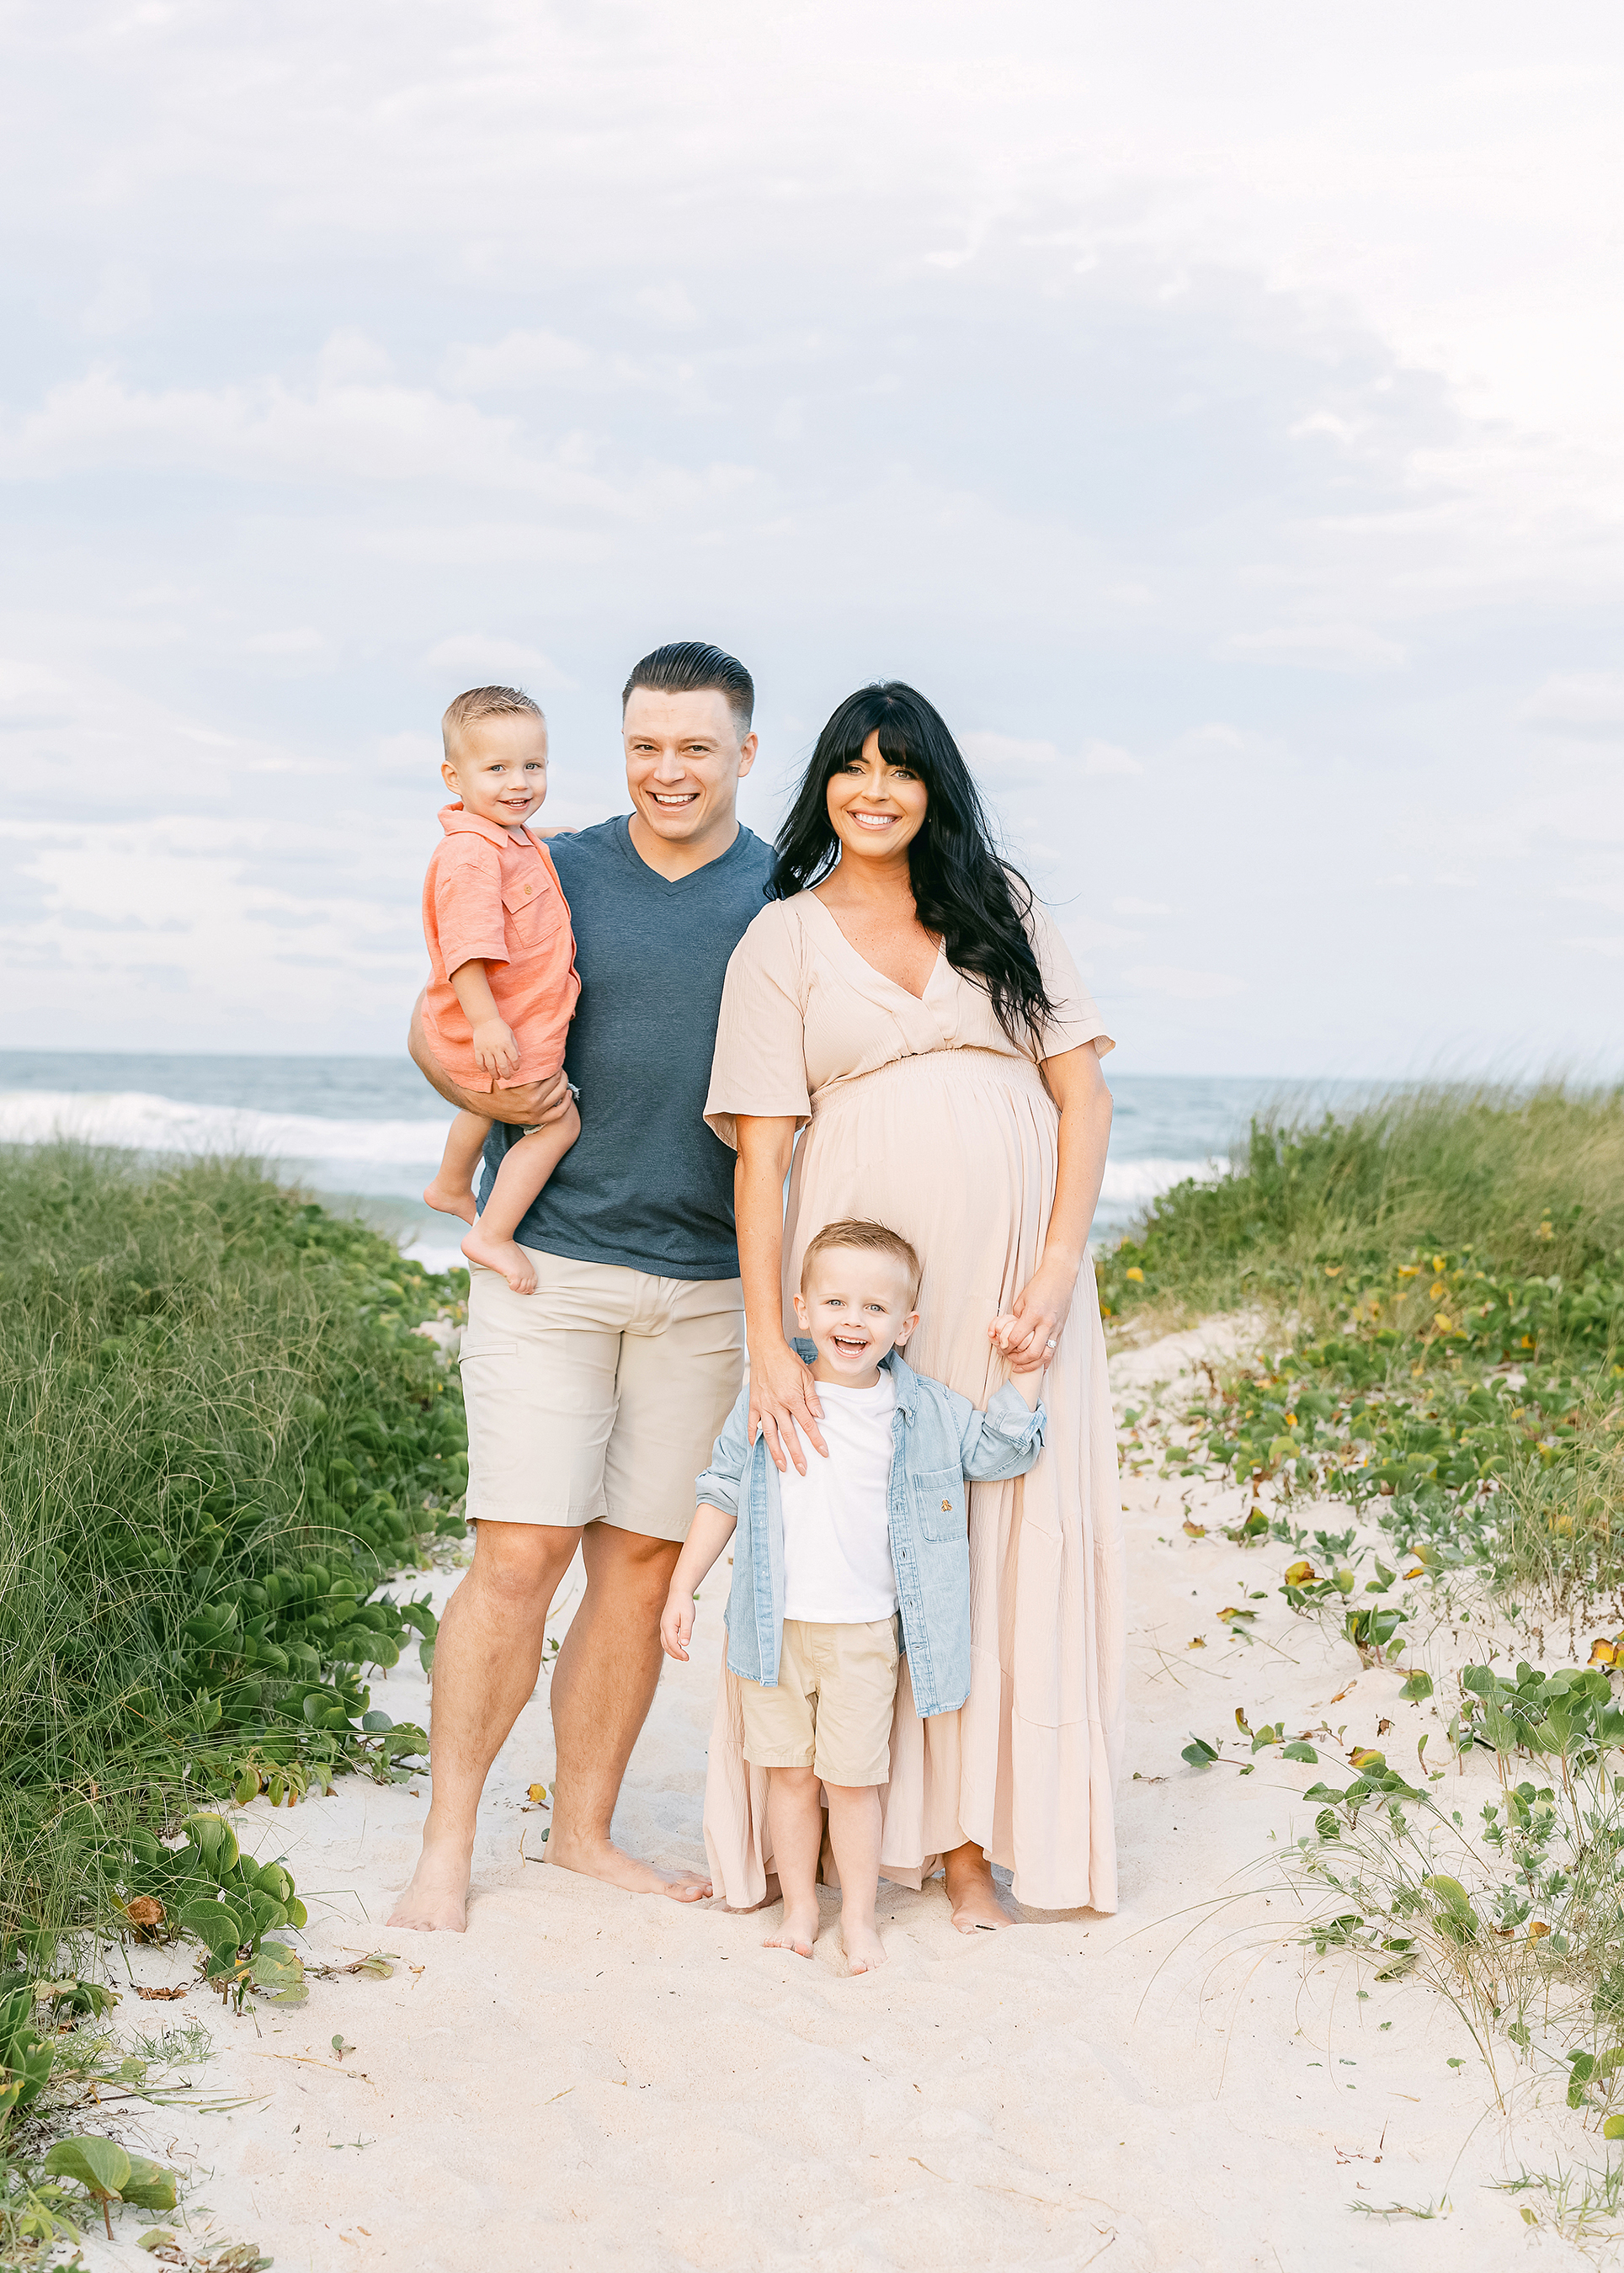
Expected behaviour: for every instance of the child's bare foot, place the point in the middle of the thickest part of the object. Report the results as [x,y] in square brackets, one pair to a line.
[503,1255]
[864,1949]
[799,1930]
[450,1201]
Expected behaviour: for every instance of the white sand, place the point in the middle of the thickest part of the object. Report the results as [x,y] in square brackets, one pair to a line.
[589,2079]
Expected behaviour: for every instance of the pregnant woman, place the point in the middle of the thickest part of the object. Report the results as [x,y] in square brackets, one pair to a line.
[903,1000]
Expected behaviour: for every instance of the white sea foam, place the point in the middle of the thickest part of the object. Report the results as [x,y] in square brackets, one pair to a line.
[1135,1183]
[131,1120]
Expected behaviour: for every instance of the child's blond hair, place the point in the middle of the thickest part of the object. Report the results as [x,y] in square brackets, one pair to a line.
[484,703]
[868,1238]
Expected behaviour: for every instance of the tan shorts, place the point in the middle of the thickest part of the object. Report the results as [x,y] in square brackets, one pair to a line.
[596,1398]
[832,1709]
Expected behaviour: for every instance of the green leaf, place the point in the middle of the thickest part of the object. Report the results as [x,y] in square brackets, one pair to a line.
[149,2185]
[1417,1688]
[1298,1751]
[215,1840]
[1613,2127]
[101,2164]
[1198,1752]
[281,1971]
[216,1927]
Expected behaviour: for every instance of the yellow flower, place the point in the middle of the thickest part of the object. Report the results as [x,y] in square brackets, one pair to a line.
[1332,1269]
[1409,1270]
[1133,1271]
[1438,1262]
[1444,1325]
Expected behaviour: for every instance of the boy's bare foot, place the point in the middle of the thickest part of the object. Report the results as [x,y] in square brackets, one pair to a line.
[599,1859]
[864,1949]
[436,1902]
[449,1201]
[799,1930]
[503,1255]
[974,1896]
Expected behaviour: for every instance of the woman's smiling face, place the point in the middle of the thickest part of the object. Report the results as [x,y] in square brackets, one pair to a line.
[877,805]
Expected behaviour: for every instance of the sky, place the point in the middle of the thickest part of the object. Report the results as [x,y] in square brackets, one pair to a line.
[1213,409]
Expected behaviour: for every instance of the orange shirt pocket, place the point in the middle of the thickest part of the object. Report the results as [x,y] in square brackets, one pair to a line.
[533,907]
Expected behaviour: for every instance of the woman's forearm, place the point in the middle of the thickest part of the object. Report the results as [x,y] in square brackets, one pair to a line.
[1079,1088]
[765,1146]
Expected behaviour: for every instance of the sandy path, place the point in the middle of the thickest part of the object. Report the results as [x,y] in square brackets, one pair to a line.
[588,2079]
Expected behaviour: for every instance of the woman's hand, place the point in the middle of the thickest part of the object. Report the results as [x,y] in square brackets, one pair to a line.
[783,1401]
[1028,1330]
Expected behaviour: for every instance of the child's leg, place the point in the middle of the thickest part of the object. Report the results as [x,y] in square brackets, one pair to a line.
[796,1818]
[452,1191]
[854,1834]
[519,1178]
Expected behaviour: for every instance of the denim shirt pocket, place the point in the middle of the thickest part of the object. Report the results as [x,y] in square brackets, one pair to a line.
[939,1503]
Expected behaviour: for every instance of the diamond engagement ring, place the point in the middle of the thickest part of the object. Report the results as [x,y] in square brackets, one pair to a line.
[1051,1342]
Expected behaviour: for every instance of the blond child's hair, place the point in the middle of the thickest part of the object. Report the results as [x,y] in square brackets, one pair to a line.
[868,1238]
[484,703]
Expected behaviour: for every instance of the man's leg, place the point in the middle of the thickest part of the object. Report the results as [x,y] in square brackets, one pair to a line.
[603,1685]
[486,1659]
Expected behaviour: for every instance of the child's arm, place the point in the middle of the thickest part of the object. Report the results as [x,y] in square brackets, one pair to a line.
[494,1044]
[1006,1439]
[712,1528]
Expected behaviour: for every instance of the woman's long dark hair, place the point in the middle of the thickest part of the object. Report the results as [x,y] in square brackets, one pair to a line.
[975,903]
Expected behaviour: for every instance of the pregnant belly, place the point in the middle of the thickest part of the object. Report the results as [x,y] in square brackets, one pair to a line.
[957,1151]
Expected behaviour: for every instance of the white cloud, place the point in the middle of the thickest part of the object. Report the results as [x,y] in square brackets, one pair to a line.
[1586,704]
[304,640]
[1183,986]
[1317,647]
[522,359]
[412,754]
[1009,754]
[479,659]
[1139,908]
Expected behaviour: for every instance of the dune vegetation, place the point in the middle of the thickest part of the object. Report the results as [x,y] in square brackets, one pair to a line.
[1437,1286]
[221,1438]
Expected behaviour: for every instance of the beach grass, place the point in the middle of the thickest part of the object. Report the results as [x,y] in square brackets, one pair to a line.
[222,1439]
[1435,1288]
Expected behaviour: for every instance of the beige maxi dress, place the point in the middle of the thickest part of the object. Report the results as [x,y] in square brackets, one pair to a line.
[921,1114]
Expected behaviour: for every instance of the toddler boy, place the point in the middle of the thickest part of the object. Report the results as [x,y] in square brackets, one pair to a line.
[503,985]
[824,1563]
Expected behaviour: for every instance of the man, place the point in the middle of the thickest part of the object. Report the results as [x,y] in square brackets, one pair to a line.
[593,1403]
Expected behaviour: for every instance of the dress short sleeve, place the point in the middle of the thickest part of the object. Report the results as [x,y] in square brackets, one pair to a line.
[760,1065]
[1075,1020]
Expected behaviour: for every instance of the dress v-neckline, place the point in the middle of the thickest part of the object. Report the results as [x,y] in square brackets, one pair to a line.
[873,970]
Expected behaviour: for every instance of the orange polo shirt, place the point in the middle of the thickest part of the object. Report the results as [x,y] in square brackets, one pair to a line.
[494,897]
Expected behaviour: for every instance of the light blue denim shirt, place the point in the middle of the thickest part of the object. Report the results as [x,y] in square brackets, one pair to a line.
[938,1439]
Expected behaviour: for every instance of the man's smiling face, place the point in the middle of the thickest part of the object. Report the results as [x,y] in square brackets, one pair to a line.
[684,759]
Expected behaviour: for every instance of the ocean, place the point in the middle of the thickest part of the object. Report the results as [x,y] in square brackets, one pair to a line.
[366,1133]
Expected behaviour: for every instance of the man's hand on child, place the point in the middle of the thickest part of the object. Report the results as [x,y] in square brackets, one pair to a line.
[677,1625]
[495,1047]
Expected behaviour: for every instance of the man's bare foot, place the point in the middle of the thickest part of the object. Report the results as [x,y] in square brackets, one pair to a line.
[799,1930]
[599,1859]
[864,1949]
[503,1255]
[436,1902]
[449,1201]
[974,1896]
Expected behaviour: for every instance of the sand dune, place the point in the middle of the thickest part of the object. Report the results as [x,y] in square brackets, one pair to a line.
[588,2079]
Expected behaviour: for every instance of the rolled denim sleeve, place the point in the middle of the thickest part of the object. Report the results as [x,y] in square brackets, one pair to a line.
[1005,1440]
[719,1486]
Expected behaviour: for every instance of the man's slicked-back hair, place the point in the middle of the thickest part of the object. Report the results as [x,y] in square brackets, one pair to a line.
[694,667]
[868,1239]
[484,702]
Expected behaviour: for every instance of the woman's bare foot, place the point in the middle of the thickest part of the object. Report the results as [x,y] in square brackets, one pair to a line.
[503,1255]
[799,1930]
[601,1859]
[436,1902]
[864,1949]
[972,1893]
[450,1201]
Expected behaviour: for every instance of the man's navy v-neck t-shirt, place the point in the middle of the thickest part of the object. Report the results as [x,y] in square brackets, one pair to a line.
[645,1184]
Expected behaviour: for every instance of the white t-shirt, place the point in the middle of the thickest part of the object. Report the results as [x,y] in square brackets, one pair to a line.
[836,1533]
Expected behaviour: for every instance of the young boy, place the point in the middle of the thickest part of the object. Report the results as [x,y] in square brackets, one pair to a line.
[823,1562]
[503,985]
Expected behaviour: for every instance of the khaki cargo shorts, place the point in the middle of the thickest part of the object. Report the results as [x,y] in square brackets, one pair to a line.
[596,1398]
[832,1710]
